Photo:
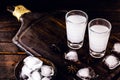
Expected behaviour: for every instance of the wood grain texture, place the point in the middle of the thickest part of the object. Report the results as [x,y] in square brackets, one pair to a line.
[7,65]
[10,54]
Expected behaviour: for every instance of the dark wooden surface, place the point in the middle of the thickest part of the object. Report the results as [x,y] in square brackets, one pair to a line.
[10,54]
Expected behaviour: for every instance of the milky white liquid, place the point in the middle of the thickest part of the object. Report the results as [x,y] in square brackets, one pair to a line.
[98,37]
[76,26]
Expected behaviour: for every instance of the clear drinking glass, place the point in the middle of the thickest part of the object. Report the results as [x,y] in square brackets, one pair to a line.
[76,21]
[99,31]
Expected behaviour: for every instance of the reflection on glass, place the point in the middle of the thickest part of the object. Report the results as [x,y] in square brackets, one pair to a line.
[99,32]
[76,21]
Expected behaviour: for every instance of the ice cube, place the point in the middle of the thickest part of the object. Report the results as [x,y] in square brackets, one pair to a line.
[46,78]
[86,73]
[25,72]
[47,70]
[33,62]
[29,78]
[36,75]
[111,61]
[116,47]
[72,56]
[37,66]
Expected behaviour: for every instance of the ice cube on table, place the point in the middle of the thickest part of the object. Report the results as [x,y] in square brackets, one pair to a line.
[83,72]
[35,75]
[86,73]
[72,56]
[111,61]
[33,62]
[47,70]
[46,78]
[116,47]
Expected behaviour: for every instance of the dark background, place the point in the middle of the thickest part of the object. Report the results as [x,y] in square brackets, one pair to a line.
[108,9]
[89,6]
[45,5]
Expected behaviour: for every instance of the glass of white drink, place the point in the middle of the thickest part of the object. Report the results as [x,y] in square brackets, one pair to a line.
[99,31]
[76,21]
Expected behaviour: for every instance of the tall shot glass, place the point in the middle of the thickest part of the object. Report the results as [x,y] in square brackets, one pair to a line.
[99,31]
[76,21]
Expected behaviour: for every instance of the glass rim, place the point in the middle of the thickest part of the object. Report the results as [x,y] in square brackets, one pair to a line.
[109,27]
[86,16]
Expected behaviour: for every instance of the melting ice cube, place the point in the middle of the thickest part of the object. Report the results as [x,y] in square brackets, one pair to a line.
[47,70]
[45,78]
[29,78]
[72,56]
[116,47]
[33,62]
[111,61]
[25,73]
[35,75]
[86,73]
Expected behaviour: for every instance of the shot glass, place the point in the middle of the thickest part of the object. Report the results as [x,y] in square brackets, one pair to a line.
[76,21]
[99,31]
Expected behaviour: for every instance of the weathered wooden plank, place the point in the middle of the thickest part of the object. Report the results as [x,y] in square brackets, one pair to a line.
[7,66]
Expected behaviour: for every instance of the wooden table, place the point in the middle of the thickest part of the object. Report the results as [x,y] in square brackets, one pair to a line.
[10,54]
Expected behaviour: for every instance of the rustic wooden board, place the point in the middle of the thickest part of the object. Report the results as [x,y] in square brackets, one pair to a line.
[8,62]
[8,28]
[10,54]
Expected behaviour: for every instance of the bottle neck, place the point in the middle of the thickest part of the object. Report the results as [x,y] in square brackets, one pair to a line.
[19,11]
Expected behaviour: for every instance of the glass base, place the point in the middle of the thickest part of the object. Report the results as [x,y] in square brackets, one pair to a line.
[97,54]
[75,45]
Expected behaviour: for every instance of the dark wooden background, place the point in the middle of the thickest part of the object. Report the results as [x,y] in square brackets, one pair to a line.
[108,9]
